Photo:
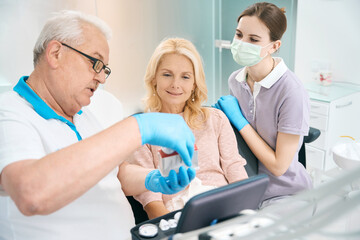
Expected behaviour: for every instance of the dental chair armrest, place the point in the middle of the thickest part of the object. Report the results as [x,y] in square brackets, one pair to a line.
[314,133]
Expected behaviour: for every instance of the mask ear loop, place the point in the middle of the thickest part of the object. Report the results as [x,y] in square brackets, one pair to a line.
[267,53]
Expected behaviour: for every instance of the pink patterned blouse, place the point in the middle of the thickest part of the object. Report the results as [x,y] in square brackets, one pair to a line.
[218,157]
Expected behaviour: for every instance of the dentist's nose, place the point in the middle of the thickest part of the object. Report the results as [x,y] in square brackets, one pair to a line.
[100,77]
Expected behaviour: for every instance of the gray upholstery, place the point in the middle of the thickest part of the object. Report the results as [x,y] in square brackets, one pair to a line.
[251,166]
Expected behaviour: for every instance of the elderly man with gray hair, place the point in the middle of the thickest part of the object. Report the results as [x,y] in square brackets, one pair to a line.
[62,176]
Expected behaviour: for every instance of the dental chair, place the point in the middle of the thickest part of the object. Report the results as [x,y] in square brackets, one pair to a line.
[251,167]
[252,162]
[314,133]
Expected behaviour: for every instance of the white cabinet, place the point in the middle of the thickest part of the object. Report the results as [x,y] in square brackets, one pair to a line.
[335,111]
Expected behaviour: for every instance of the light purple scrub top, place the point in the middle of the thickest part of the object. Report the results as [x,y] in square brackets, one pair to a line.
[279,103]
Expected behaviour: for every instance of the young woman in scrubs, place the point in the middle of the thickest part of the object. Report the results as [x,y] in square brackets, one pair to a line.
[268,103]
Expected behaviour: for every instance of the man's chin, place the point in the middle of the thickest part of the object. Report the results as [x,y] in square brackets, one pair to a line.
[83,103]
[86,103]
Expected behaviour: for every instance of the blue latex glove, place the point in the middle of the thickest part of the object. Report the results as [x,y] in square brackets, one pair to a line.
[171,184]
[230,106]
[167,130]
[216,105]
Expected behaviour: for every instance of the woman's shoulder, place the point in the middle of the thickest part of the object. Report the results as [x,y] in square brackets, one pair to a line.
[291,85]
[217,123]
[290,80]
[216,114]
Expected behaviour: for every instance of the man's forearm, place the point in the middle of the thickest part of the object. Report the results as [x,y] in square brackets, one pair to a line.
[42,186]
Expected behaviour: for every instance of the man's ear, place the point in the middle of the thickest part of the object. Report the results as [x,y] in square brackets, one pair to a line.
[53,53]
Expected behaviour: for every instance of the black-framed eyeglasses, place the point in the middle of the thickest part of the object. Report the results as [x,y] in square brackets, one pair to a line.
[98,65]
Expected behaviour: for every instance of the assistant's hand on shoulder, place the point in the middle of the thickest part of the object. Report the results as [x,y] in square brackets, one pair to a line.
[230,106]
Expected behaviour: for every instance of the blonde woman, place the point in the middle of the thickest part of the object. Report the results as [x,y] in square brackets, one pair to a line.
[175,83]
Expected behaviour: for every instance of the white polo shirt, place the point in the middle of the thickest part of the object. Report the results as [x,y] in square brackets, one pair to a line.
[30,129]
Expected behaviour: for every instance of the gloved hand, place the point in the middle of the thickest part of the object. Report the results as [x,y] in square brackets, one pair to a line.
[216,105]
[171,184]
[230,106]
[167,130]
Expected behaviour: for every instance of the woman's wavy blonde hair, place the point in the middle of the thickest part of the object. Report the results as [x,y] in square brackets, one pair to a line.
[194,114]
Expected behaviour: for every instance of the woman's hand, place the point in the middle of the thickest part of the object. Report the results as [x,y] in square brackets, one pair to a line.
[230,106]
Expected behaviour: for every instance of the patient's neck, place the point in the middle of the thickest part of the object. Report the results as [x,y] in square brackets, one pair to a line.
[176,109]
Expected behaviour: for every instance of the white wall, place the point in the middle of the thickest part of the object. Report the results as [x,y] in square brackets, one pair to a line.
[21,23]
[328,31]
[134,31]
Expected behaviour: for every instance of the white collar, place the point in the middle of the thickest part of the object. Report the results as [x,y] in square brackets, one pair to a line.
[271,78]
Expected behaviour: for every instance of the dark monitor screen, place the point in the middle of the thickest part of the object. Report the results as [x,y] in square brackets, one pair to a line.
[222,203]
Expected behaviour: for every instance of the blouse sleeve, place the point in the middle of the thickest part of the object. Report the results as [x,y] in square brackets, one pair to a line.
[231,161]
[144,157]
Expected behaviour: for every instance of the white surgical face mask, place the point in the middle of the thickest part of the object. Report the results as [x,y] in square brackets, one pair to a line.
[246,54]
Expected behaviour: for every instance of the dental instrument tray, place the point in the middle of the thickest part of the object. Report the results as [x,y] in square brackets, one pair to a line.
[206,209]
